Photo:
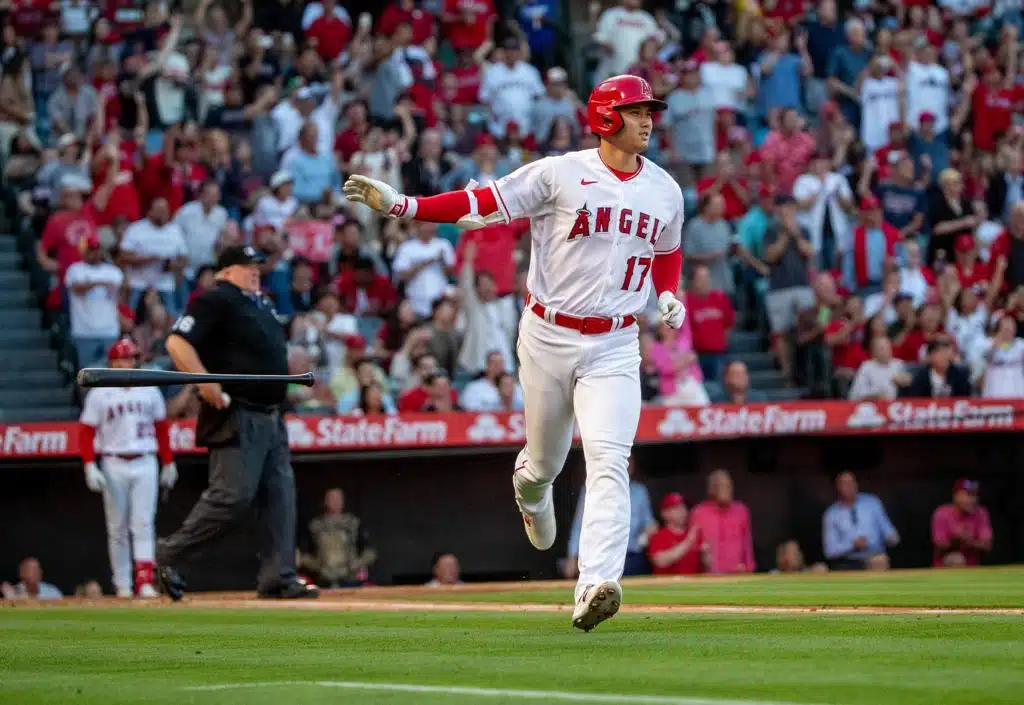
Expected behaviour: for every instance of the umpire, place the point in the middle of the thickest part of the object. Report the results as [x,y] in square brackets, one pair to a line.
[233,328]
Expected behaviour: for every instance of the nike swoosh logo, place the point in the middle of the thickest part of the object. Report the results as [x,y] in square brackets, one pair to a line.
[584,182]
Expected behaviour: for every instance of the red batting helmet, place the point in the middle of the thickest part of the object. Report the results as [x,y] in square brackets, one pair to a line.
[123,349]
[618,92]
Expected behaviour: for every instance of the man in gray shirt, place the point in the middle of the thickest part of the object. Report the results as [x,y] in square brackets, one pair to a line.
[787,251]
[388,79]
[691,115]
[707,240]
[556,102]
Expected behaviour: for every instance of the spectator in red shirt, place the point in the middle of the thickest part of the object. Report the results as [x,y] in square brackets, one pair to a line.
[406,11]
[961,531]
[68,230]
[434,394]
[969,269]
[724,179]
[676,548]
[924,327]
[328,27]
[874,247]
[993,104]
[363,292]
[845,336]
[349,140]
[468,23]
[495,252]
[787,151]
[175,174]
[711,319]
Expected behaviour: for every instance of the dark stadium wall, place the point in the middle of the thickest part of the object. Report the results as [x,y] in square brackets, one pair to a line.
[417,506]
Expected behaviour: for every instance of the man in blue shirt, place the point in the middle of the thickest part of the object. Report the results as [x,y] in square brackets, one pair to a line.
[845,65]
[314,174]
[929,149]
[824,37]
[856,530]
[642,525]
[903,202]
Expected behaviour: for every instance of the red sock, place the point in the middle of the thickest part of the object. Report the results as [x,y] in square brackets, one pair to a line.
[143,574]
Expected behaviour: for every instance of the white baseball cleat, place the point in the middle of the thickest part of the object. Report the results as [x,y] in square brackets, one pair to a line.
[541,528]
[598,603]
[125,593]
[147,591]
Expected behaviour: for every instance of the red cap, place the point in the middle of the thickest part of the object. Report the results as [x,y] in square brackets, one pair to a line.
[830,109]
[965,485]
[870,202]
[92,242]
[512,126]
[483,140]
[964,243]
[672,499]
[355,342]
[928,116]
[122,350]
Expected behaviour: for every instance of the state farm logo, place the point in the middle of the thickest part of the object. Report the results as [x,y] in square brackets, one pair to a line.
[360,432]
[18,441]
[865,416]
[299,435]
[488,428]
[961,414]
[744,421]
[676,423]
[183,437]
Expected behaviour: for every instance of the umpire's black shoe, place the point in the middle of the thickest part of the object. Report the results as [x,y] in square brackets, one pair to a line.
[298,589]
[170,581]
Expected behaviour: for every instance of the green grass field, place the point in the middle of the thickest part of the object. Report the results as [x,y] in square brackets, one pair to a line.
[206,653]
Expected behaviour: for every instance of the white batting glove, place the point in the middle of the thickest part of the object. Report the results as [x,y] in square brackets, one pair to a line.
[168,475]
[671,309]
[375,194]
[95,480]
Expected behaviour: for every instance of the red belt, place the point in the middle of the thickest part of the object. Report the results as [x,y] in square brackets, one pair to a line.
[587,325]
[126,456]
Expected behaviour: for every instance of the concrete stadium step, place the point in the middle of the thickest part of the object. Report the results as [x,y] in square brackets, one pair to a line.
[745,342]
[10,260]
[43,413]
[17,298]
[767,379]
[28,360]
[785,394]
[32,338]
[23,317]
[13,279]
[33,379]
[756,362]
[11,399]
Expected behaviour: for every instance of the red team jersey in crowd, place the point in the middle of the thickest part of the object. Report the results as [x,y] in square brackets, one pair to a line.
[666,538]
[466,22]
[710,318]
[159,181]
[993,114]
[495,252]
[65,236]
[28,16]
[422,23]
[331,33]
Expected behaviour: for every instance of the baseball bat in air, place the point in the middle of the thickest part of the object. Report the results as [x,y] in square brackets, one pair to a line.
[110,377]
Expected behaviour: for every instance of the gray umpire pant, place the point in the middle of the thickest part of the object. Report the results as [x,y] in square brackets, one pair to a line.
[255,473]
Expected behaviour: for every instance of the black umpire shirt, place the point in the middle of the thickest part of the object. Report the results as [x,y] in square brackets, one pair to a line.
[236,333]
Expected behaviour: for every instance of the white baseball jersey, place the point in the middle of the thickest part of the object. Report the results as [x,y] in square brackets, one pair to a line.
[928,92]
[880,104]
[124,418]
[594,236]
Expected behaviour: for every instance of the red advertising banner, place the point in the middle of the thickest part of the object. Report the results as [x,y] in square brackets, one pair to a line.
[318,434]
[311,239]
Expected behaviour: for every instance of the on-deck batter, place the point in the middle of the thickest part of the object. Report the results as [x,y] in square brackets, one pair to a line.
[606,227]
[128,426]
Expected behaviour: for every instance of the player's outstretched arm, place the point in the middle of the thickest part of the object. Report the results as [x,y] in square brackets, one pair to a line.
[469,208]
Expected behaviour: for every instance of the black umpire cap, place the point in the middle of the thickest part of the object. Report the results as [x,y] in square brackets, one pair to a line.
[240,254]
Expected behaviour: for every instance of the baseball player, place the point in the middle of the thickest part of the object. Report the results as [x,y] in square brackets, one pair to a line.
[606,227]
[128,428]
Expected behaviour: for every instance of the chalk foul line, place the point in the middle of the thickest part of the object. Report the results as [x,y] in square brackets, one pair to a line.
[542,695]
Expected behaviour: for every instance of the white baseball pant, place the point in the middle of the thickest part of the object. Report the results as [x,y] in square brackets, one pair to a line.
[597,378]
[129,502]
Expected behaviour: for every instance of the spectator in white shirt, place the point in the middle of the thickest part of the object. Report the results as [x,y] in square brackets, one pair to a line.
[729,82]
[202,221]
[821,193]
[927,88]
[620,32]
[484,393]
[509,88]
[916,280]
[881,376]
[880,96]
[290,115]
[967,320]
[31,586]
[274,209]
[423,264]
[491,322]
[93,286]
[154,255]
[1000,366]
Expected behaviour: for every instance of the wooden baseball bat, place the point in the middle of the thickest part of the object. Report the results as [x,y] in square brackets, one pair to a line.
[111,377]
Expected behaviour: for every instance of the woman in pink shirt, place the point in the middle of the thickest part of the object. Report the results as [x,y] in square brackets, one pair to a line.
[725,524]
[678,370]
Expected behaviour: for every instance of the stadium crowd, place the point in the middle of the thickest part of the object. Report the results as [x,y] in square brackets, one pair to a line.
[855,173]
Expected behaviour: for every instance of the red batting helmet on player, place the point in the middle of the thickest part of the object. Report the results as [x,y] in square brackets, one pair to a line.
[124,349]
[618,92]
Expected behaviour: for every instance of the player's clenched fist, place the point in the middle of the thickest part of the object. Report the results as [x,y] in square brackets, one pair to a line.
[168,475]
[94,478]
[671,309]
[375,194]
